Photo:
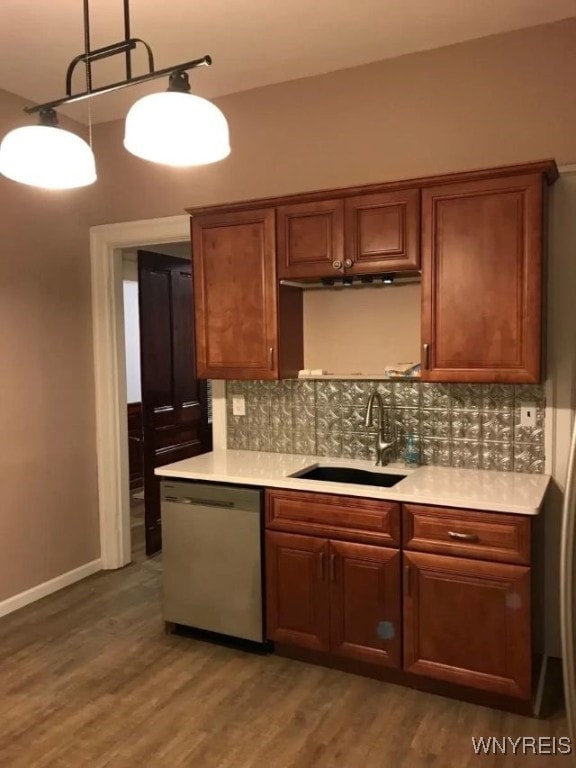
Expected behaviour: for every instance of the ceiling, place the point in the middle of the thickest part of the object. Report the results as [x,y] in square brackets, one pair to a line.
[252,42]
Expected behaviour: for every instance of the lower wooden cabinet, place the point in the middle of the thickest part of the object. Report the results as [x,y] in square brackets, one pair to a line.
[452,606]
[334,596]
[297,590]
[365,616]
[468,622]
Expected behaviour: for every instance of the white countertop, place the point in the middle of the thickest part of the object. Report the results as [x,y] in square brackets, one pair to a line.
[513,492]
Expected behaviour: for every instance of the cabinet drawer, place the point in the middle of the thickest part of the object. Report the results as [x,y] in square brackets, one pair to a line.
[481,535]
[339,517]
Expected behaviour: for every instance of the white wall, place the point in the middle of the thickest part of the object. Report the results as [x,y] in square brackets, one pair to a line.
[132,340]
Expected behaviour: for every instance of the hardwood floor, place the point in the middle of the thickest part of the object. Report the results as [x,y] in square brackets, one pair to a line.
[88,679]
[137,529]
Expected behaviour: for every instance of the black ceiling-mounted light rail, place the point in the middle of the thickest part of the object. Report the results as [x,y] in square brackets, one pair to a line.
[173,127]
[125,46]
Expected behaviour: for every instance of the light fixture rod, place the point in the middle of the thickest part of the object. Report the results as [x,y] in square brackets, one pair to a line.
[125,46]
[86,58]
[127,37]
[205,61]
[104,53]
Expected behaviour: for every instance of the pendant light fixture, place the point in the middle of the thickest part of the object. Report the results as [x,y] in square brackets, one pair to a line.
[47,156]
[176,127]
[173,128]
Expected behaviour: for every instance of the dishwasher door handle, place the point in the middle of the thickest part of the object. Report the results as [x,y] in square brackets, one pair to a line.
[200,502]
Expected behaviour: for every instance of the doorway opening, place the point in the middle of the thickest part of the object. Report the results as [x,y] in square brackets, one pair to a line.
[168,415]
[107,241]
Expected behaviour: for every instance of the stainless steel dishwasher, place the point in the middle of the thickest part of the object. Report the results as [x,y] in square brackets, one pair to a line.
[211,556]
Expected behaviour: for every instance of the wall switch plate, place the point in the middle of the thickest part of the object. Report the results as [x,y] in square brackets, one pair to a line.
[528,415]
[238,405]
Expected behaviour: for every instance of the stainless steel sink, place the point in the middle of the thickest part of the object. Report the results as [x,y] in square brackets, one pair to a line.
[350,475]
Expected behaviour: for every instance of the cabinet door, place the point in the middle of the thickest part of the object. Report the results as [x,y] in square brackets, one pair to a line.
[468,622]
[310,239]
[365,603]
[482,280]
[297,590]
[235,295]
[383,232]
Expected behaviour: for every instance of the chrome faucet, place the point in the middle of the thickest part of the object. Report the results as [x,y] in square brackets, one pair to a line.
[386,435]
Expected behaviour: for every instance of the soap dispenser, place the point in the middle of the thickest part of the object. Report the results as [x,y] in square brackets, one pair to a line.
[412,454]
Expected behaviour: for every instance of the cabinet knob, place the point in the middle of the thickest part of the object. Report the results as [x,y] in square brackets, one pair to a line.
[337,264]
[348,263]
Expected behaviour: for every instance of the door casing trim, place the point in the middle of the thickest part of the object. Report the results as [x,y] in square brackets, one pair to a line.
[106,244]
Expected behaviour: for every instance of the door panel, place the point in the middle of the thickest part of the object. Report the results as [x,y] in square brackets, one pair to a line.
[365,603]
[383,232]
[236,295]
[481,280]
[310,239]
[468,622]
[174,406]
[297,590]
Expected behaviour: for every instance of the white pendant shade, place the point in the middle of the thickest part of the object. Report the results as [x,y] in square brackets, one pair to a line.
[176,128]
[47,156]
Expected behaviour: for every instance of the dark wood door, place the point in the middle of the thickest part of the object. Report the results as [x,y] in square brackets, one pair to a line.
[482,280]
[383,232]
[365,614]
[468,622]
[310,239]
[174,407]
[135,444]
[244,329]
[298,590]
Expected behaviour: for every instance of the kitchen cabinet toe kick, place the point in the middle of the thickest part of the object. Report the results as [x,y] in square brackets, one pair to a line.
[408,680]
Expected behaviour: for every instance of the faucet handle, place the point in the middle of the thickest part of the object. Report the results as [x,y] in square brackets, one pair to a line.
[390,427]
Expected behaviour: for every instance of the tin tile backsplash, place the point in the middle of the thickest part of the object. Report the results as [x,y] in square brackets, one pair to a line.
[476,426]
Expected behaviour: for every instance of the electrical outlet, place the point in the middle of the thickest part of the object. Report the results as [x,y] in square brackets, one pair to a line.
[528,415]
[238,405]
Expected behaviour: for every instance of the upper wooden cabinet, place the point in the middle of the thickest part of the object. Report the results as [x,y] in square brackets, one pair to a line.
[482,280]
[383,232]
[245,327]
[357,235]
[310,239]
[478,238]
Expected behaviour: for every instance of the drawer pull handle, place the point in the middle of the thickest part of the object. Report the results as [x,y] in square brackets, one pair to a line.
[426,363]
[470,537]
[333,567]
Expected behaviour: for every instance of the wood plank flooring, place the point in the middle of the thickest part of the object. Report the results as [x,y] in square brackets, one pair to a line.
[88,679]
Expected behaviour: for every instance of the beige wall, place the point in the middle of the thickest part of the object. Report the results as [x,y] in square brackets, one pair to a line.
[361,330]
[48,498]
[499,100]
[494,101]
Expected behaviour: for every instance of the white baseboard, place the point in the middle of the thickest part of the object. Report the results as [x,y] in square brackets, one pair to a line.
[48,587]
